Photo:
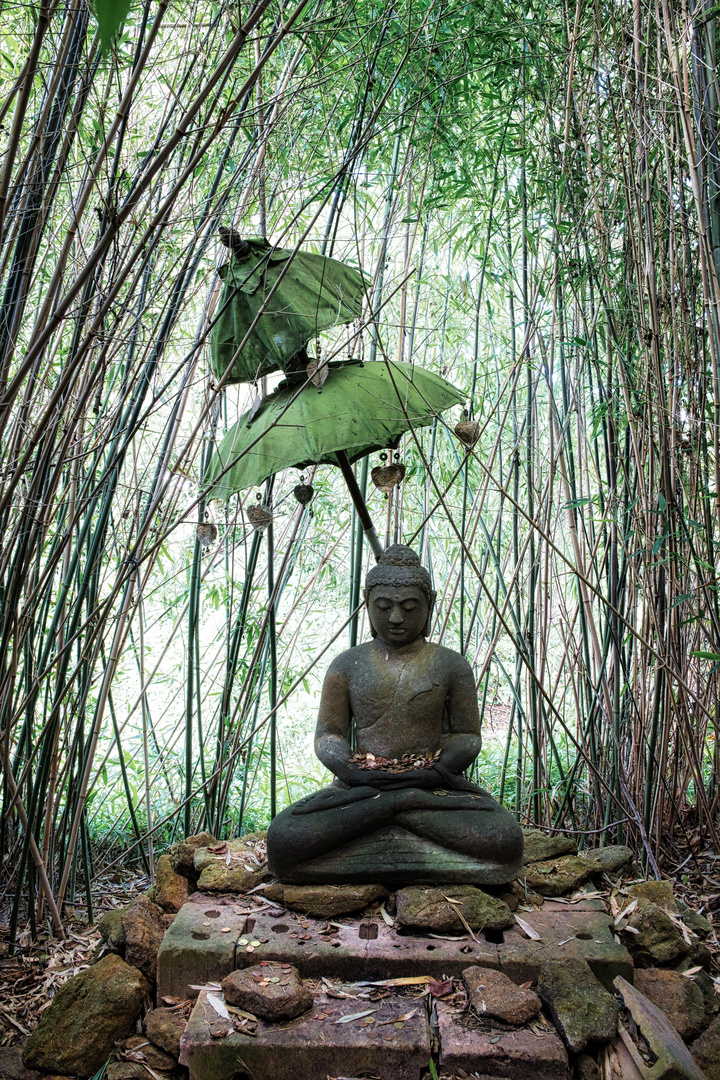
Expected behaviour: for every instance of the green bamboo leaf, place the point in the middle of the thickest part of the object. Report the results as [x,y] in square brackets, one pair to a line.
[702,655]
[110,15]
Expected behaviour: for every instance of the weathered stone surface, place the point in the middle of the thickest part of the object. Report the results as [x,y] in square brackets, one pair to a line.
[655,892]
[658,942]
[581,1009]
[241,852]
[270,991]
[517,1055]
[86,1018]
[217,877]
[706,1051]
[171,889]
[492,994]
[182,853]
[144,929]
[539,845]
[585,899]
[610,859]
[314,1045]
[141,1048]
[325,901]
[136,1070]
[111,930]
[126,1070]
[559,877]
[706,986]
[197,948]
[586,1068]
[584,935]
[164,1027]
[698,954]
[678,997]
[695,921]
[11,1065]
[675,1061]
[430,909]
[290,939]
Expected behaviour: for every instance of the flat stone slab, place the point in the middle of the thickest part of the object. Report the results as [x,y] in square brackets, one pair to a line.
[199,946]
[584,935]
[212,936]
[347,954]
[314,1046]
[531,1053]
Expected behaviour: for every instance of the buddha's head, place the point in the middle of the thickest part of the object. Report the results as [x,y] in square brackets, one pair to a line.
[399,597]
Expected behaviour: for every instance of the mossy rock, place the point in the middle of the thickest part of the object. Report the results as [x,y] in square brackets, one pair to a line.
[430,909]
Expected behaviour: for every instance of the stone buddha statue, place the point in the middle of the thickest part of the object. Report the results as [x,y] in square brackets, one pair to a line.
[405,697]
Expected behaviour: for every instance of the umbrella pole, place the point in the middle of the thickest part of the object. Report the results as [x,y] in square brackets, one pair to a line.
[360,505]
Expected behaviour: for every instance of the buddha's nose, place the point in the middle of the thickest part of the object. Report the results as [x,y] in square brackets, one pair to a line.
[396,615]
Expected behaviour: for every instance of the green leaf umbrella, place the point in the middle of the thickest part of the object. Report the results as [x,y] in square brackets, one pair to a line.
[361,408]
[294,303]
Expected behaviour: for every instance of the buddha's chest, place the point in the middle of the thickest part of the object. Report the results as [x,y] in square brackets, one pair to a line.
[386,692]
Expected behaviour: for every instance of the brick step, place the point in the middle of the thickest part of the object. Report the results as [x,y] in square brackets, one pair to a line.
[316,1046]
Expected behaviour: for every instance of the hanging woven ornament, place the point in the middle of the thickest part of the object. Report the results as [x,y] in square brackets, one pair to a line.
[387,477]
[259,516]
[303,492]
[467,431]
[317,370]
[207,533]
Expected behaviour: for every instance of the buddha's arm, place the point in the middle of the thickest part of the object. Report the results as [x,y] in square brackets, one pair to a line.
[461,745]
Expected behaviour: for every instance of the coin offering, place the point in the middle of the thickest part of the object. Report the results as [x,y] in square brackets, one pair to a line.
[395,765]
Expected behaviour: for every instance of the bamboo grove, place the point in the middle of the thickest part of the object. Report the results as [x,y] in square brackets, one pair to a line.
[534,192]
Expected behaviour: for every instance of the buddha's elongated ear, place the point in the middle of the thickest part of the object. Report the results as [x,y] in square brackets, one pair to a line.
[366,594]
[431,608]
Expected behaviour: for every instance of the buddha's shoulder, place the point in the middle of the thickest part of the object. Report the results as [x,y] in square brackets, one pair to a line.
[350,659]
[449,660]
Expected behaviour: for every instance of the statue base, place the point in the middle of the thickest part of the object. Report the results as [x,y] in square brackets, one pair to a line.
[393,856]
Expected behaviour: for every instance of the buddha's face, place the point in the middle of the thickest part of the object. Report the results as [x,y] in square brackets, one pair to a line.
[398,615]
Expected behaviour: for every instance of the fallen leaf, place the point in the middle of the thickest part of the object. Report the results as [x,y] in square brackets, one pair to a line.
[527,929]
[628,911]
[398,1019]
[440,989]
[692,971]
[408,980]
[387,919]
[355,1016]
[218,1005]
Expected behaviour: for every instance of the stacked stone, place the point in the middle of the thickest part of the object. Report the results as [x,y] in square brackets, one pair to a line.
[532,979]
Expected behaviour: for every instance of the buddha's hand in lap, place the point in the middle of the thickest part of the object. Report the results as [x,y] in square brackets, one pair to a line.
[329,798]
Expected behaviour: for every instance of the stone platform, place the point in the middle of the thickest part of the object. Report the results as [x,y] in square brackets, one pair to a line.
[215,935]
